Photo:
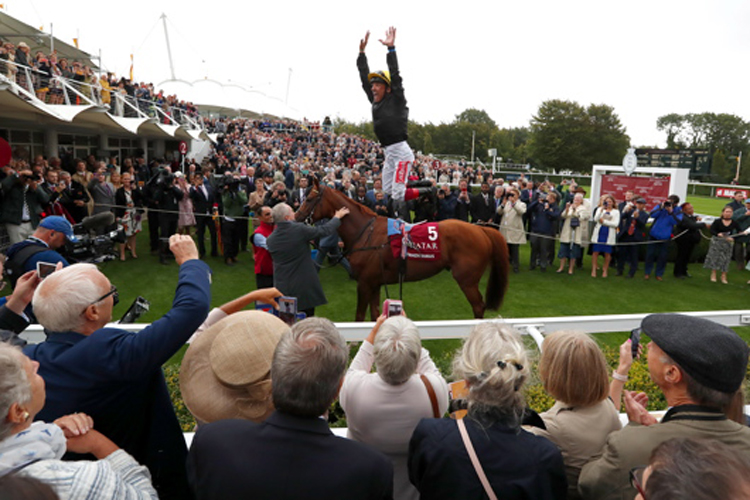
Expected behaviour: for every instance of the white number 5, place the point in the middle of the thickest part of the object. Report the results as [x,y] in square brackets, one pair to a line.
[432,234]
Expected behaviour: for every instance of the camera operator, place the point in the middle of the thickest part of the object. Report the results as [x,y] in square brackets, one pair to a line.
[233,201]
[276,195]
[41,246]
[666,215]
[23,204]
[167,197]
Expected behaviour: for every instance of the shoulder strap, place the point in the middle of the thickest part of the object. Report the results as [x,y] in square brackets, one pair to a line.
[475,460]
[14,265]
[433,397]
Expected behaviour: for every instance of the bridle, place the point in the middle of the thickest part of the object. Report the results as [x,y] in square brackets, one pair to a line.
[314,204]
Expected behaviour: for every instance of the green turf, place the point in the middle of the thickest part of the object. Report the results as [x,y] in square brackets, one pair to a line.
[708,206]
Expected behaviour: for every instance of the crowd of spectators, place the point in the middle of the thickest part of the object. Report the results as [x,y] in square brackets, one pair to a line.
[86,411]
[42,74]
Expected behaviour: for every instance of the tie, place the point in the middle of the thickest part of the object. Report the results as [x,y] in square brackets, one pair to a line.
[631,229]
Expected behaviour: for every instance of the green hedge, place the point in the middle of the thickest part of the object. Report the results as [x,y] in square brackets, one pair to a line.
[536,397]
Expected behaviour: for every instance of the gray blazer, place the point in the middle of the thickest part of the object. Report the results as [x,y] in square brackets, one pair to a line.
[294,272]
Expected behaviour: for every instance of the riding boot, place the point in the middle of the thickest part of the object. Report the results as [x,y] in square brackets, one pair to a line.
[419,184]
[401,210]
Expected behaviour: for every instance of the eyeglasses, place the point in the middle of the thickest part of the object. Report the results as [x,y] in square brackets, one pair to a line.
[636,480]
[113,293]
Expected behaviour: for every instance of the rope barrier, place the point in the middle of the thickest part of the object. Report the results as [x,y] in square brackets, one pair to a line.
[491,224]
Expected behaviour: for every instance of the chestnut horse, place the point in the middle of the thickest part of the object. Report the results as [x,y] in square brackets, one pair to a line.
[465,250]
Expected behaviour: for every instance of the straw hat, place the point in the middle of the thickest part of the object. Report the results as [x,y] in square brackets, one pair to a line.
[226,372]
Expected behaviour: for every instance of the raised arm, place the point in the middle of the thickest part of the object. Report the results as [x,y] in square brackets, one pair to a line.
[364,68]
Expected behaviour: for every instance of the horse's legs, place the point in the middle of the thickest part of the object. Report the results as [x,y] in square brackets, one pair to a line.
[375,304]
[474,296]
[364,293]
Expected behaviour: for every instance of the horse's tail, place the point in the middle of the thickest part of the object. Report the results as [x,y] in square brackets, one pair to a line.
[498,282]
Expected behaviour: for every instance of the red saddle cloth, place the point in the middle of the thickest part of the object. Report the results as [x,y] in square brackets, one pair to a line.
[415,242]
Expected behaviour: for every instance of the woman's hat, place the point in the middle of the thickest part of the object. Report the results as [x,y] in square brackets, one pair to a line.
[226,372]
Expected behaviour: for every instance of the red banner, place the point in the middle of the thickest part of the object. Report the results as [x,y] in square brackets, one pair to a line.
[729,193]
[653,189]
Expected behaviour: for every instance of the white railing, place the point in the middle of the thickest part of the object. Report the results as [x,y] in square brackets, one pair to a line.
[459,329]
[27,81]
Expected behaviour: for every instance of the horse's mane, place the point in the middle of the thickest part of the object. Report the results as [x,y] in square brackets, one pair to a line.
[353,203]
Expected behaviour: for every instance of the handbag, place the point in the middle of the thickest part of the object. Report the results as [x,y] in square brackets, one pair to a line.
[575,222]
[475,460]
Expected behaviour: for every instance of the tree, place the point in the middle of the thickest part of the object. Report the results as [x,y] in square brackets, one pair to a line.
[721,134]
[673,125]
[565,135]
[475,117]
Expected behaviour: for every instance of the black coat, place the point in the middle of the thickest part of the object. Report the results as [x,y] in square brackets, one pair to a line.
[285,457]
[482,210]
[201,203]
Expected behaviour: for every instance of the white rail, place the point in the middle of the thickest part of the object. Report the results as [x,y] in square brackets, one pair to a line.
[458,329]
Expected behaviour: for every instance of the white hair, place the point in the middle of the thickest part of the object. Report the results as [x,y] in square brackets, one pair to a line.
[60,300]
[14,384]
[397,349]
[280,212]
[494,363]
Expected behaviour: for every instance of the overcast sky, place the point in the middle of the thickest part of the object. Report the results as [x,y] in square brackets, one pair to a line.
[645,58]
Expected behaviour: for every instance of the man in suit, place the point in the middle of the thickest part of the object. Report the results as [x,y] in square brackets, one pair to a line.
[114,375]
[482,205]
[73,197]
[699,366]
[293,454]
[204,202]
[102,191]
[299,194]
[294,272]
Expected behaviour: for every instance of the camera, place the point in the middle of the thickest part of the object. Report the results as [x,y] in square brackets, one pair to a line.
[93,248]
[667,204]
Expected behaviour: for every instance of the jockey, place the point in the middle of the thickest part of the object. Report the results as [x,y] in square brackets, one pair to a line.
[390,116]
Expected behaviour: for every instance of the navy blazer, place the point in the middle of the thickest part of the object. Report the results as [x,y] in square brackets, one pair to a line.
[115,377]
[285,457]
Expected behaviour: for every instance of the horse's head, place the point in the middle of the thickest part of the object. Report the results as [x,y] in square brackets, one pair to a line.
[313,209]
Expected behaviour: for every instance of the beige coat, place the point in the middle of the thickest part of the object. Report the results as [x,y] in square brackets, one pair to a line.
[612,223]
[608,477]
[584,214]
[511,226]
[580,433]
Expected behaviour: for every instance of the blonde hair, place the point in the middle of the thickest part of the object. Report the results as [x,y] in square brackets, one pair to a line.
[573,368]
[494,363]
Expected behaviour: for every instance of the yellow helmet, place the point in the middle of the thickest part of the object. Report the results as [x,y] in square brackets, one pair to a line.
[380,76]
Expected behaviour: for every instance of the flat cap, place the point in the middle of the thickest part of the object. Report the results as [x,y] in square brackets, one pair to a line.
[712,354]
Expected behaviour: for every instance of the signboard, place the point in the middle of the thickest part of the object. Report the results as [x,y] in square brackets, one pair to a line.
[183,147]
[654,189]
[729,193]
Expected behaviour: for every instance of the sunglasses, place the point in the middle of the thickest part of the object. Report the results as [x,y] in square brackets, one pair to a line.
[112,292]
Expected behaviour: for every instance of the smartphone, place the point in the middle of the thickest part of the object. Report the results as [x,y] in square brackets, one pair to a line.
[392,307]
[635,340]
[287,309]
[44,269]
